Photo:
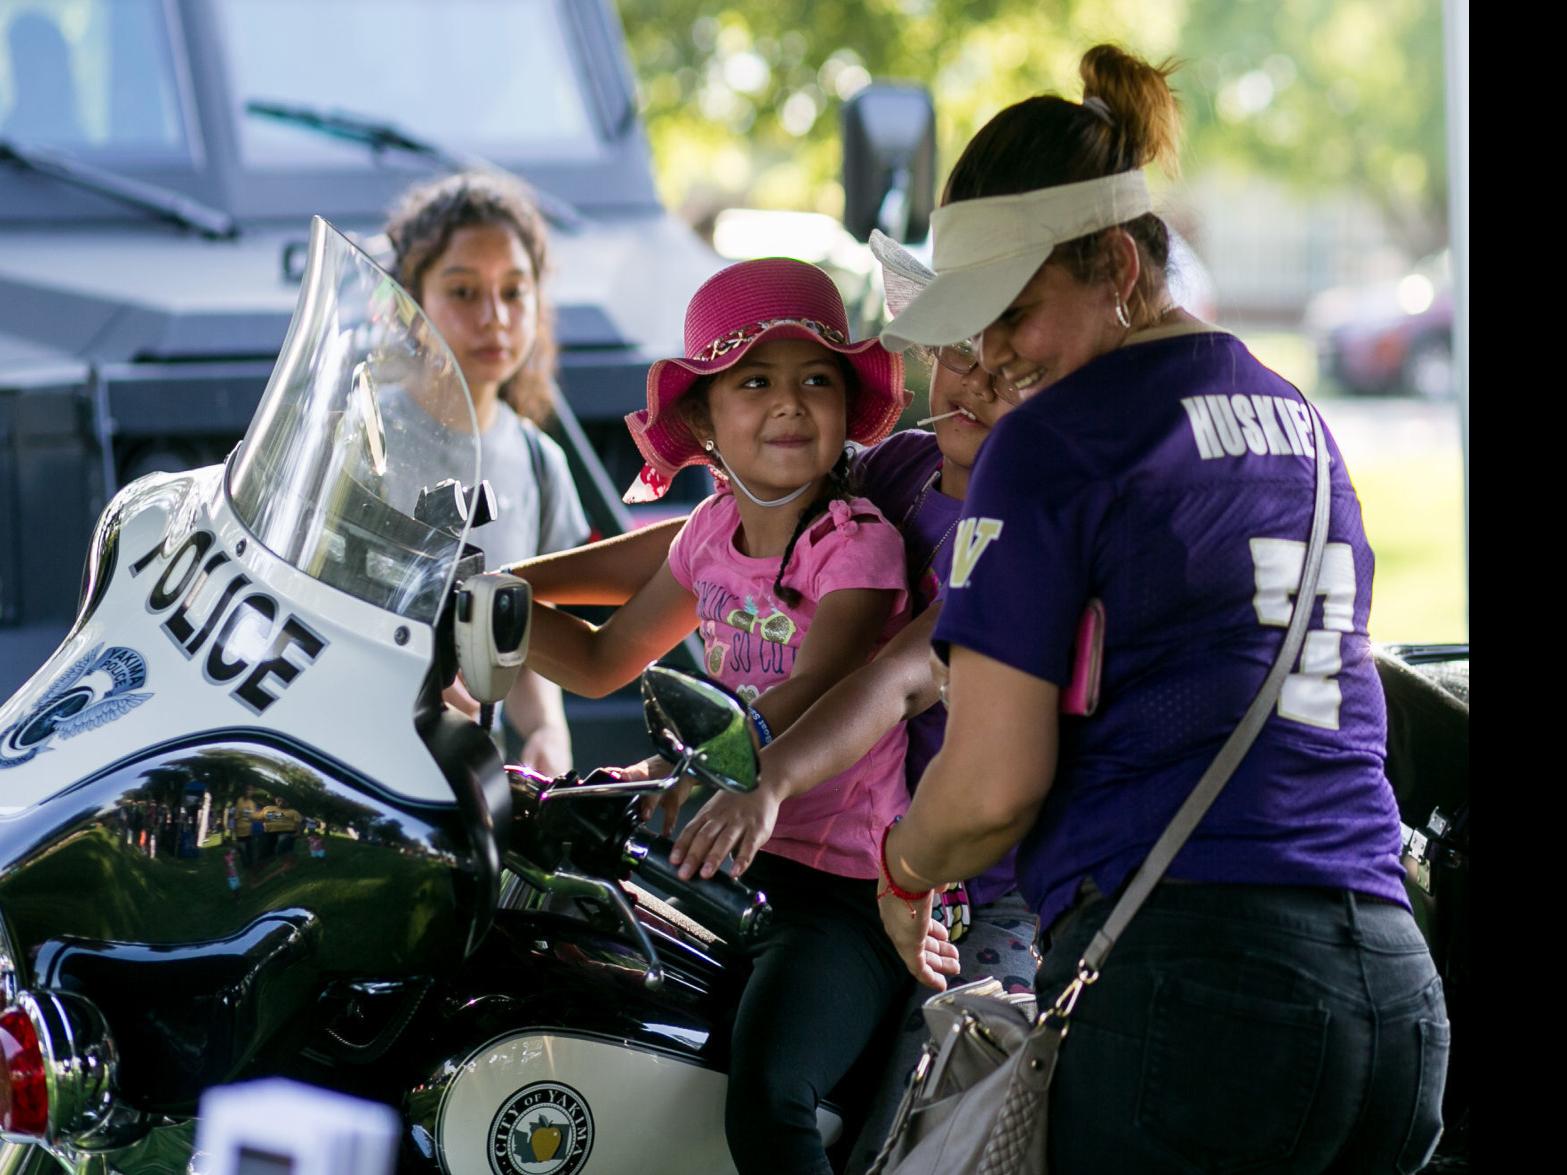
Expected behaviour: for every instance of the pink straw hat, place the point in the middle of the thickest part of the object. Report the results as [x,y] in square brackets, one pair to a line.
[736,308]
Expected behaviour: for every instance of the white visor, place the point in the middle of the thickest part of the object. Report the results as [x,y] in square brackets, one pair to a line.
[986,251]
[903,275]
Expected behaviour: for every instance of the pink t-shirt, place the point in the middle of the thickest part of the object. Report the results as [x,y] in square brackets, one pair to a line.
[751,638]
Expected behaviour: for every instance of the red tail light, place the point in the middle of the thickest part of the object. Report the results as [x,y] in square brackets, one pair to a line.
[24,1086]
[57,1066]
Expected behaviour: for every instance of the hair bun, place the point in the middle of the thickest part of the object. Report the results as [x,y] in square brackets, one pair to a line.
[1141,104]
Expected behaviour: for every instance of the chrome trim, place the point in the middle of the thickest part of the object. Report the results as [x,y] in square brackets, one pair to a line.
[79,1062]
[28,1157]
[11,977]
[576,885]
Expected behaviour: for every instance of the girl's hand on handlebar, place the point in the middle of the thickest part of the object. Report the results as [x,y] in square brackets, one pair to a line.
[657,767]
[921,941]
[669,803]
[728,823]
[547,750]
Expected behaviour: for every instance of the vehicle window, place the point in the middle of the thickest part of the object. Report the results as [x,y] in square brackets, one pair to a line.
[89,76]
[495,77]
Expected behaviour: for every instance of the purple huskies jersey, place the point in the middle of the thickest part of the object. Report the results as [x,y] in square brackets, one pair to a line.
[1173,480]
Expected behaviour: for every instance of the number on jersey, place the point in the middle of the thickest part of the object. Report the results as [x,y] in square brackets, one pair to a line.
[1310,695]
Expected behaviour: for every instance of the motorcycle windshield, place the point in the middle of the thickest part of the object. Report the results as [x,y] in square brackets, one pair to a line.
[365,414]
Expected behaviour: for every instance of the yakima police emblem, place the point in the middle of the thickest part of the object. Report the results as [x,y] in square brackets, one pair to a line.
[98,687]
[542,1129]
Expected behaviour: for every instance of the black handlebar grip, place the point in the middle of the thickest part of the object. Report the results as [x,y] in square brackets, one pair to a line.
[731,909]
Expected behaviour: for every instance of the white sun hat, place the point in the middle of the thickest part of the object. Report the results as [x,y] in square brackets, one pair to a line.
[986,251]
[903,275]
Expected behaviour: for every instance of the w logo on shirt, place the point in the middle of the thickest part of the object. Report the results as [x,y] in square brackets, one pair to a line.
[974,535]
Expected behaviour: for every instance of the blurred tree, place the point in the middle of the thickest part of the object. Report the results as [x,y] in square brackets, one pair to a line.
[1325,93]
[741,99]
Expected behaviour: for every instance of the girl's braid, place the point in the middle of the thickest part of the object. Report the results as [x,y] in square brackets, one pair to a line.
[839,484]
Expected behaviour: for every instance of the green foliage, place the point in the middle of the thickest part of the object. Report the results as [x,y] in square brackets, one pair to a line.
[742,100]
[1326,93]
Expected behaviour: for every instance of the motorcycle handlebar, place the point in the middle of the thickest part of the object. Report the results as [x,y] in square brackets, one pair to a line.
[587,825]
[730,908]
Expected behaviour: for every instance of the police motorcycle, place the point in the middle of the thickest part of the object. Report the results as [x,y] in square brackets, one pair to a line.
[240,835]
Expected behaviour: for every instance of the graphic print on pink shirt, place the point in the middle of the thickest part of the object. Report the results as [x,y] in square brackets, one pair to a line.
[750,640]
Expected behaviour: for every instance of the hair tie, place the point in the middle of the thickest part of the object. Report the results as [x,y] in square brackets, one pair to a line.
[1098,106]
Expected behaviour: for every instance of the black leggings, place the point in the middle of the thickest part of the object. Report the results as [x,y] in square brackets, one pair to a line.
[823,979]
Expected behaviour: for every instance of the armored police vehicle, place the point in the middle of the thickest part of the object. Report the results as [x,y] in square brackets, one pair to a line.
[159,164]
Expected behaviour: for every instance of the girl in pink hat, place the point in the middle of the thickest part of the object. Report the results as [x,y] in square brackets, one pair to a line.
[792,582]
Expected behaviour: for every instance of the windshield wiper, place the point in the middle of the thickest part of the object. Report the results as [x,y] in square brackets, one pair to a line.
[161,202]
[386,136]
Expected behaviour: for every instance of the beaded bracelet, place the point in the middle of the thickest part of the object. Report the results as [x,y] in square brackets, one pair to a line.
[764,733]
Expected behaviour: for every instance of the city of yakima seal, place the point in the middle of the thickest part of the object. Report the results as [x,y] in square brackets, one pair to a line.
[542,1129]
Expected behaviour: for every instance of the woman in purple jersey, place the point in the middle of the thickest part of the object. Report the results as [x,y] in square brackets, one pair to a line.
[1273,1006]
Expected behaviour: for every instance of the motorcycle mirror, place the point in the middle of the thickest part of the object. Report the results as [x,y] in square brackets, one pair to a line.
[889,161]
[701,725]
[447,505]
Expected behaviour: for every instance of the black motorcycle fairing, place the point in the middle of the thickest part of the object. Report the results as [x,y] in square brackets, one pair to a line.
[360,1020]
[471,766]
[193,840]
[550,973]
[545,968]
[187,1017]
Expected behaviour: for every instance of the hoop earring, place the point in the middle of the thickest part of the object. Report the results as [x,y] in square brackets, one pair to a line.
[707,446]
[1121,316]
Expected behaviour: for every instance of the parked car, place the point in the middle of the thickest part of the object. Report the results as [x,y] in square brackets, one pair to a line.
[1389,336]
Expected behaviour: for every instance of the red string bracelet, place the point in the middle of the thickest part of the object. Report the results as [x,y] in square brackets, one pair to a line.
[892,887]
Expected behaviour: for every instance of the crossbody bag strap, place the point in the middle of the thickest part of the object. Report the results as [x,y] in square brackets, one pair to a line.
[1241,738]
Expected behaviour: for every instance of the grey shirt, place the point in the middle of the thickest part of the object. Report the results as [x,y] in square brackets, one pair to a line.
[539,510]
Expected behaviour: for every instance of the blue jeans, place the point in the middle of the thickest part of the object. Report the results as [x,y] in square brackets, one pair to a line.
[1249,1028]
